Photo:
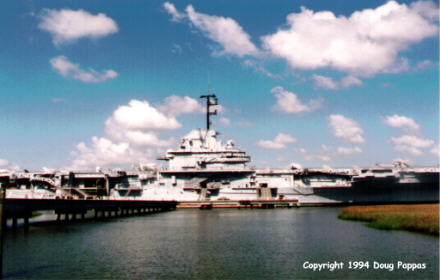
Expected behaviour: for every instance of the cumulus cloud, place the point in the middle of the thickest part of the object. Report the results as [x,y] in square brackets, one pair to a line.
[348,151]
[70,70]
[411,144]
[349,81]
[324,82]
[366,43]
[175,105]
[225,121]
[171,9]
[225,31]
[132,131]
[289,103]
[136,137]
[403,122]
[346,129]
[426,9]
[300,151]
[328,83]
[279,142]
[138,123]
[436,151]
[68,25]
[103,152]
[140,115]
[423,64]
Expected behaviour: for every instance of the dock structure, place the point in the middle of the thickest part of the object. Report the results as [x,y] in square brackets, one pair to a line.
[264,204]
[73,209]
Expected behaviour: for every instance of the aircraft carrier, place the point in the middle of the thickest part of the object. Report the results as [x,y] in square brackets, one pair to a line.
[203,172]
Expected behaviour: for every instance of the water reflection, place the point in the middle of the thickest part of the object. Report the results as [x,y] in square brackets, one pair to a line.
[215,244]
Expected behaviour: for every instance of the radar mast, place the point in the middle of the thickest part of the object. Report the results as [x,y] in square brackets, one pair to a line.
[209,102]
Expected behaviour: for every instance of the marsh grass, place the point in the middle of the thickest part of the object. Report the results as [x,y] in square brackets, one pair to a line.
[422,217]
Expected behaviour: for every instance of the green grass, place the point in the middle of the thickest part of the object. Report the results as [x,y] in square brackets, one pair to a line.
[422,218]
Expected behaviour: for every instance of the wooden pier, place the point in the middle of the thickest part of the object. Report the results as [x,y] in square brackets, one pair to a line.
[75,209]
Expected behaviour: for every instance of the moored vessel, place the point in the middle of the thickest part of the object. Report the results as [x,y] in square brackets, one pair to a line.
[205,172]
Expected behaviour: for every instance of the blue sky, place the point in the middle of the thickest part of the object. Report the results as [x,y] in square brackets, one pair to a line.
[319,83]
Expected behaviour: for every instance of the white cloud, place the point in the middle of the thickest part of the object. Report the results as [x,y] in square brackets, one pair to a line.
[427,9]
[400,65]
[136,137]
[103,152]
[7,165]
[408,149]
[325,148]
[285,138]
[48,169]
[225,121]
[175,105]
[436,151]
[68,25]
[3,162]
[324,82]
[323,156]
[140,115]
[244,124]
[329,83]
[318,157]
[289,103]
[69,70]
[281,159]
[349,81]
[411,144]
[279,142]
[138,123]
[346,129]
[348,151]
[366,43]
[258,66]
[129,131]
[401,122]
[225,31]
[269,144]
[171,9]
[58,100]
[423,64]
[177,49]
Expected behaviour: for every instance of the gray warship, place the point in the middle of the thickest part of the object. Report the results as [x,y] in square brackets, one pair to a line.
[204,172]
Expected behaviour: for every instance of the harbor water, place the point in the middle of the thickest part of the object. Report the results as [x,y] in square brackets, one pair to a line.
[217,244]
